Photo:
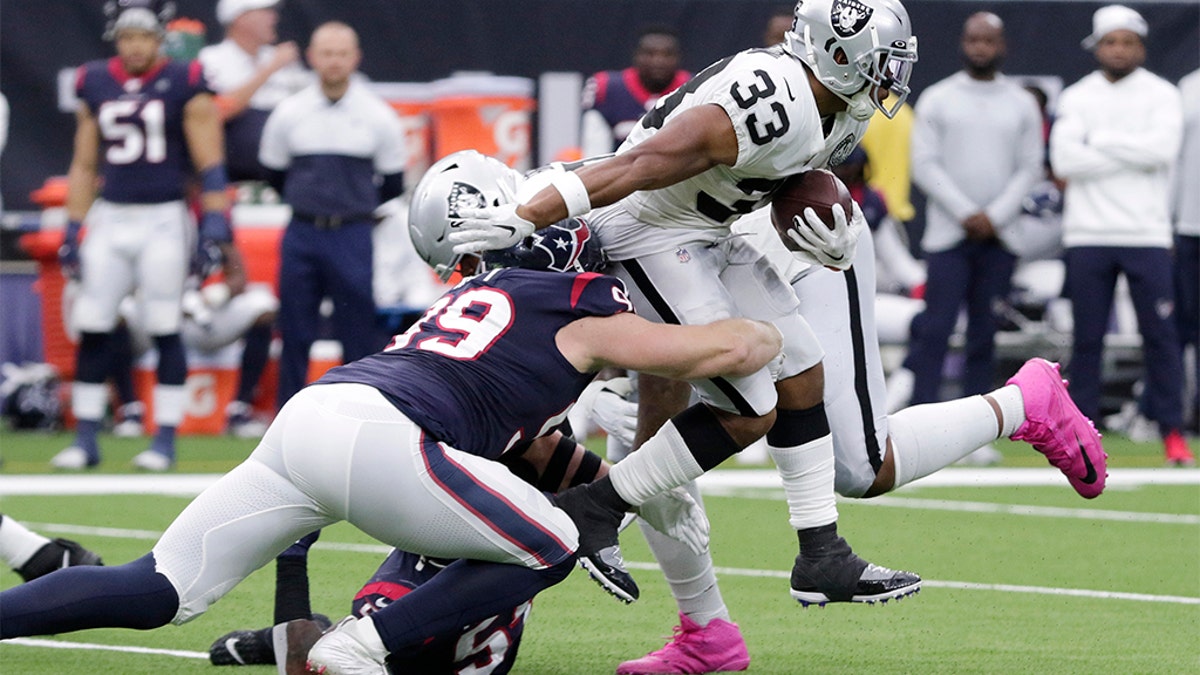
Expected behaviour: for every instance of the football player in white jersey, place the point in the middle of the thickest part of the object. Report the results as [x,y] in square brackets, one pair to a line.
[657,233]
[715,149]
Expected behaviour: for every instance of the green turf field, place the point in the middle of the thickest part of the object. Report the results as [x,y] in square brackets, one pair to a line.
[1019,579]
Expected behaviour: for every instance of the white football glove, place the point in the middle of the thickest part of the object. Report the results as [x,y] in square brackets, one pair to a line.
[829,247]
[490,229]
[677,515]
[613,411]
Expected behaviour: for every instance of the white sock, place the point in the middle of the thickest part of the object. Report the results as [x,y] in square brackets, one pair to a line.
[691,577]
[1012,407]
[928,437]
[18,543]
[88,400]
[365,632]
[663,462]
[807,472]
[169,402]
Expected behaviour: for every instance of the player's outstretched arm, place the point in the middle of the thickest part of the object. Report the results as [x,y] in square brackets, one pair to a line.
[733,347]
[694,142]
[690,144]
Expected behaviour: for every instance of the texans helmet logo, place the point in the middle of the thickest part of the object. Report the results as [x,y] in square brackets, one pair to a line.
[849,17]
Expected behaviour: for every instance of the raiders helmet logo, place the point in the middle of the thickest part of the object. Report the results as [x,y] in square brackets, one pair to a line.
[842,151]
[849,17]
[464,196]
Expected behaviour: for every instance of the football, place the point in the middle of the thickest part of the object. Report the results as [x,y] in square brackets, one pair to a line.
[819,189]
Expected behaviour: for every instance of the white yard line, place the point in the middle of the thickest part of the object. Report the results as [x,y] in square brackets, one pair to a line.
[90,646]
[189,485]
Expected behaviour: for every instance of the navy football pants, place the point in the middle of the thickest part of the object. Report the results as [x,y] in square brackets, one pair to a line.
[315,263]
[1091,281]
[977,274]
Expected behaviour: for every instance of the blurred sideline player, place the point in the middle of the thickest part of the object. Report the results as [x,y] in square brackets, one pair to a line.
[141,117]
[214,317]
[332,454]
[614,100]
[31,555]
[250,75]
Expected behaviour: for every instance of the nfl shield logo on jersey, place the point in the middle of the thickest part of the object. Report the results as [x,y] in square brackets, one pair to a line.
[849,17]
[682,254]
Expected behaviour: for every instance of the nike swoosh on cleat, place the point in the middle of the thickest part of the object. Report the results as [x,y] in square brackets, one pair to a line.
[1091,476]
[231,647]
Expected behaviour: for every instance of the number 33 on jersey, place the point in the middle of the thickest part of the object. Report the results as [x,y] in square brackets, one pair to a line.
[766,94]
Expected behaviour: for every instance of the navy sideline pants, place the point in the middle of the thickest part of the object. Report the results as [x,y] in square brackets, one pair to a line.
[315,263]
[1091,281]
[1187,301]
[979,274]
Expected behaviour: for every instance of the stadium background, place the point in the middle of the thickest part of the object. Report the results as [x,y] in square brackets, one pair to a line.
[422,41]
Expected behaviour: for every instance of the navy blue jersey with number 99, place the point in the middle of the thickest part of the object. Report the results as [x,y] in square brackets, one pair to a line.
[481,370]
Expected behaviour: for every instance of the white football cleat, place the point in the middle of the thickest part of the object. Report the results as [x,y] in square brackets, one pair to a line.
[73,458]
[149,460]
[344,651]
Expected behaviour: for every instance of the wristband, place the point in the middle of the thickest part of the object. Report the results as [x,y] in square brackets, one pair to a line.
[574,194]
[214,179]
[73,227]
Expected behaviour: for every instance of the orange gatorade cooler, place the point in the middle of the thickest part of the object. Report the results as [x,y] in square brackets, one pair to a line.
[484,112]
[411,101]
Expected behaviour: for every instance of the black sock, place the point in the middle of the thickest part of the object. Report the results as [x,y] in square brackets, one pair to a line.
[818,542]
[255,356]
[605,494]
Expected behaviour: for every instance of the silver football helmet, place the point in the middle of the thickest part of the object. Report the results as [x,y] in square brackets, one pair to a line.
[462,180]
[855,47]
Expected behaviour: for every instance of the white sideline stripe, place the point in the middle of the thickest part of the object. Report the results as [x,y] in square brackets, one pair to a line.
[55,644]
[190,485]
[971,477]
[1022,510]
[967,586]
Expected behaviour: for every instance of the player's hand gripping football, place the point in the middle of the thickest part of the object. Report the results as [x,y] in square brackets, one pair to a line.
[829,246]
[491,228]
[677,515]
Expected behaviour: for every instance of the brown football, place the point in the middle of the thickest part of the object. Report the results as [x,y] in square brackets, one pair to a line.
[819,189]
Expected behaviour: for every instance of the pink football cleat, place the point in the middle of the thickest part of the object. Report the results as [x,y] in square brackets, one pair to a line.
[1055,427]
[694,649]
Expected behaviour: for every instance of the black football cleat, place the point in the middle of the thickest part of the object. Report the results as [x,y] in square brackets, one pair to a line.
[842,576]
[243,648]
[597,517]
[55,555]
[258,647]
[607,568]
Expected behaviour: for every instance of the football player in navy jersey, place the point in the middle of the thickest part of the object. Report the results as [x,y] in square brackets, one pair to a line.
[614,100]
[401,444]
[146,126]
[489,647]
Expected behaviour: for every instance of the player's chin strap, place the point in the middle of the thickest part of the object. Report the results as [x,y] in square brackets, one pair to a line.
[860,105]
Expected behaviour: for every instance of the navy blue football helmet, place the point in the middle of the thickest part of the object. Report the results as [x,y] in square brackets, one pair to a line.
[566,246]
